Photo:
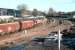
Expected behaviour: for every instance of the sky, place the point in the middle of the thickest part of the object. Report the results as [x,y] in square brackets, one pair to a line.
[43,5]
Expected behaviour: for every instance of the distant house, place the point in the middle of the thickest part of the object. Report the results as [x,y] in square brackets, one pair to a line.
[13,12]
[17,13]
[26,13]
[9,12]
[3,11]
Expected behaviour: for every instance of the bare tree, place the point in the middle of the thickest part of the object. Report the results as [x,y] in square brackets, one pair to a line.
[51,12]
[34,12]
[22,8]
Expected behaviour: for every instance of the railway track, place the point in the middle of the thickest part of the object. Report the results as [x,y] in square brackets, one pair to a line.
[41,30]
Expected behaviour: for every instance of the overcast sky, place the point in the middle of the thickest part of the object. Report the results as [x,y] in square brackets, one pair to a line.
[58,5]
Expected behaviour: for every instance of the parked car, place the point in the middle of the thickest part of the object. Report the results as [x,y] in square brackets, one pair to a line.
[37,41]
[49,41]
[45,41]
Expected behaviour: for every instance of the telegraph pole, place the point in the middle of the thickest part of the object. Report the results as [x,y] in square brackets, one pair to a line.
[59,37]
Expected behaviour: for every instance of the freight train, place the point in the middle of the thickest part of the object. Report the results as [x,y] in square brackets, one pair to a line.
[18,25]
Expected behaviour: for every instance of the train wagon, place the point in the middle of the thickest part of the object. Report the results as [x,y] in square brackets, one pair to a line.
[9,27]
[26,24]
[18,25]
